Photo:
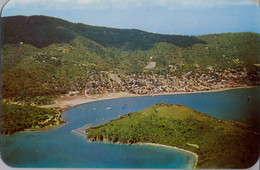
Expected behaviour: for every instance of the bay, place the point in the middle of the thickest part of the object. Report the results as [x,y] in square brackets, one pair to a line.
[61,147]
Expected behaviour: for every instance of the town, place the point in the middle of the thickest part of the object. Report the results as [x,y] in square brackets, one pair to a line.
[151,83]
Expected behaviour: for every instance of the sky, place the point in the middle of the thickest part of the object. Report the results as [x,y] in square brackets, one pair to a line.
[185,17]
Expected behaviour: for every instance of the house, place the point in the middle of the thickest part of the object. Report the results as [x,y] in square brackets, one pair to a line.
[74,93]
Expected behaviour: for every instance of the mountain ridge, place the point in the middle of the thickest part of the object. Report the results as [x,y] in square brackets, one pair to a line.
[108,37]
[47,56]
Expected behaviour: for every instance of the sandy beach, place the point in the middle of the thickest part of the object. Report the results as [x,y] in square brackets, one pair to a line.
[71,101]
[191,166]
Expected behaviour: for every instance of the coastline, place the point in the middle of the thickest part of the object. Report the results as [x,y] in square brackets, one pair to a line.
[72,101]
[47,128]
[191,165]
[196,157]
[77,100]
[65,102]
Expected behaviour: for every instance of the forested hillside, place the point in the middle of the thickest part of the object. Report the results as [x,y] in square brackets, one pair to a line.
[41,31]
[44,56]
[218,143]
[16,118]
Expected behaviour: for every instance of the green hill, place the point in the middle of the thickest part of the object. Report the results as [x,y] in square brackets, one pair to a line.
[46,56]
[218,143]
[42,31]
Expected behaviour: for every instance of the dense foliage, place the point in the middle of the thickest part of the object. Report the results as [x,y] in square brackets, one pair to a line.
[220,144]
[26,29]
[43,56]
[17,118]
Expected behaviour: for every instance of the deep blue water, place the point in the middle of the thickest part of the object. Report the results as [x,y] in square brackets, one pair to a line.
[60,147]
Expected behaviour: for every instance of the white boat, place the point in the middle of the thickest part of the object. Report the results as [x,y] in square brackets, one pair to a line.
[109,108]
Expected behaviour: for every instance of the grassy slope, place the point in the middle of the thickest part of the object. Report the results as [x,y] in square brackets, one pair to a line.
[56,54]
[222,144]
[29,71]
[221,51]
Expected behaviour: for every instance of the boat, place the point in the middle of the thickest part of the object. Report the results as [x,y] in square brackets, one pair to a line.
[109,108]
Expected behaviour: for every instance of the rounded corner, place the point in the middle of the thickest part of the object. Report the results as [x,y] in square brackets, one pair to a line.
[255,165]
[2,5]
[4,164]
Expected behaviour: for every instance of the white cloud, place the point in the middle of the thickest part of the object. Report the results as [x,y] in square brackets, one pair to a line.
[123,4]
[50,2]
[86,1]
[54,1]
[162,2]
[139,4]
[194,4]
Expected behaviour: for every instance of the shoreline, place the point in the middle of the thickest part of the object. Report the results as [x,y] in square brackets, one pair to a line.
[190,165]
[124,95]
[47,128]
[196,157]
[65,102]
[42,129]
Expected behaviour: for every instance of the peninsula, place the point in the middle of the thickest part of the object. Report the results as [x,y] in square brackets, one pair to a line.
[218,143]
[20,117]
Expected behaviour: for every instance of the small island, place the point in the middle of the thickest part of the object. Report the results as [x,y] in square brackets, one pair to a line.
[217,143]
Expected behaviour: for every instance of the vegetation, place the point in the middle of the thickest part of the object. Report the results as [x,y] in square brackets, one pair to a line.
[16,118]
[21,28]
[42,57]
[218,143]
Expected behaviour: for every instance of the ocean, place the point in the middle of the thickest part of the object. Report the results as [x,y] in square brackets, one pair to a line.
[62,148]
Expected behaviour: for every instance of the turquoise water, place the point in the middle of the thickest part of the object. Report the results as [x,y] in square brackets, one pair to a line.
[60,147]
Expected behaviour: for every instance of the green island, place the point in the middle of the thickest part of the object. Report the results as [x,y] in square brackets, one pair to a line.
[218,143]
[16,118]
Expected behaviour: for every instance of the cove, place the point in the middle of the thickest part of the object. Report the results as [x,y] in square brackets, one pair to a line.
[60,147]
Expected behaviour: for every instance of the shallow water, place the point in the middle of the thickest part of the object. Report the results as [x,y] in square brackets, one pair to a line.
[60,147]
